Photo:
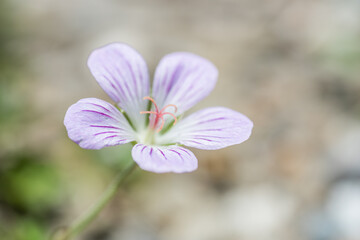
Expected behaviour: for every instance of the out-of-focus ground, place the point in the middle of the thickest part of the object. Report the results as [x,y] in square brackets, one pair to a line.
[293,67]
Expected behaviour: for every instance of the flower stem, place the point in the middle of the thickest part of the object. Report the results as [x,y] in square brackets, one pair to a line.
[83,221]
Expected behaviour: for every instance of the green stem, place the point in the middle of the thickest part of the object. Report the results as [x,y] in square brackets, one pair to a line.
[81,223]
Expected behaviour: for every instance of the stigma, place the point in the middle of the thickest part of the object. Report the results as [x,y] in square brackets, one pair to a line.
[159,114]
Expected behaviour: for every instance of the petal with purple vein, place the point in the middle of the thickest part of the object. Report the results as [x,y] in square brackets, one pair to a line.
[123,74]
[93,124]
[210,128]
[161,159]
[183,79]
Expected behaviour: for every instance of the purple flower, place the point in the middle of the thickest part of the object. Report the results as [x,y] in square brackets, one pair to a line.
[153,123]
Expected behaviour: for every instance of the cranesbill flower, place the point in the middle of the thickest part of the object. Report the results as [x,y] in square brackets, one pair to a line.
[150,118]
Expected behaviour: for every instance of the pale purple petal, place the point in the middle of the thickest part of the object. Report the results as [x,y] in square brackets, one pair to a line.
[210,128]
[183,79]
[93,124]
[123,74]
[161,159]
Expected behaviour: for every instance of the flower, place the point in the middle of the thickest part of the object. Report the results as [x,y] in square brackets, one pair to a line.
[181,80]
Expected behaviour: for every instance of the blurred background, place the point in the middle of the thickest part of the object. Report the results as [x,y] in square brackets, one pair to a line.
[292,66]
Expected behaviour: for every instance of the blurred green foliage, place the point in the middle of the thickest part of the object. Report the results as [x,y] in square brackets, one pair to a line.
[24,229]
[29,186]
[29,193]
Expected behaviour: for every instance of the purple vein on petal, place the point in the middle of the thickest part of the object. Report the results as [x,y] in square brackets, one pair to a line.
[133,76]
[204,130]
[211,120]
[140,73]
[103,114]
[129,69]
[182,149]
[112,136]
[162,154]
[174,76]
[143,148]
[177,154]
[210,114]
[103,126]
[97,105]
[151,151]
[188,91]
[163,80]
[207,136]
[104,133]
[195,142]
[209,140]
[124,82]
[119,89]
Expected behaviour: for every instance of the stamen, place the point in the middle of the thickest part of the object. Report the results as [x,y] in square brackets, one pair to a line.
[150,112]
[153,101]
[162,124]
[169,105]
[159,115]
[175,119]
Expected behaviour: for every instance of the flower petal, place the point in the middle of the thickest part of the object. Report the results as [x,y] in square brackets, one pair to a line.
[93,124]
[210,128]
[164,159]
[183,79]
[123,74]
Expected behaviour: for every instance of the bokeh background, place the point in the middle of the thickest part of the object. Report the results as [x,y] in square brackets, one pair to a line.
[292,66]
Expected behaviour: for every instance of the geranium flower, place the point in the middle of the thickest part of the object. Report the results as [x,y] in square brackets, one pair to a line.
[150,118]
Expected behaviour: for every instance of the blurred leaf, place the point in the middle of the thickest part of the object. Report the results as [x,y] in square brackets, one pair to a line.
[28,229]
[30,185]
